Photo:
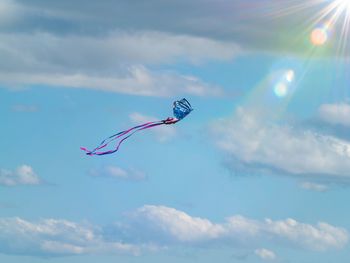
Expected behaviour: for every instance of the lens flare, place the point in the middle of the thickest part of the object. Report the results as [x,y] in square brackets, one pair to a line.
[284,83]
[281,90]
[319,36]
[290,75]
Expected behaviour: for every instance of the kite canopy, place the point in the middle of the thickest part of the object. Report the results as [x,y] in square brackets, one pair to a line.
[181,109]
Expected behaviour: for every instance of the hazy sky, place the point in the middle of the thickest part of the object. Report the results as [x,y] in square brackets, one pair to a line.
[258,172]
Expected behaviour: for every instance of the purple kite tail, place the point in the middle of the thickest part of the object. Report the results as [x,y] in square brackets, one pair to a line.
[119,135]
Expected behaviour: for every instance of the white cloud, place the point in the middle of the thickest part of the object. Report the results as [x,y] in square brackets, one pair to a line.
[256,142]
[178,224]
[151,228]
[163,133]
[265,254]
[23,175]
[52,237]
[175,225]
[318,237]
[335,114]
[314,186]
[118,173]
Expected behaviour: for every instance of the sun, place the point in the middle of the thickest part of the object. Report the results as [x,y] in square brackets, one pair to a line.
[346,4]
[340,6]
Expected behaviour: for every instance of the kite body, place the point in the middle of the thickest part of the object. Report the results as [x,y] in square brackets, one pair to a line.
[180,110]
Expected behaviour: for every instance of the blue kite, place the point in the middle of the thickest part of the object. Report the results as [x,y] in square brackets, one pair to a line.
[181,108]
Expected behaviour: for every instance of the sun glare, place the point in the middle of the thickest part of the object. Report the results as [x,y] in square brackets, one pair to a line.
[346,5]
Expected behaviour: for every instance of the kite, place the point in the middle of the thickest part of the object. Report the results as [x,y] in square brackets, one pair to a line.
[181,108]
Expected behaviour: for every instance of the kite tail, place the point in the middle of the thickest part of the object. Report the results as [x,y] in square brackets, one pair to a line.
[119,135]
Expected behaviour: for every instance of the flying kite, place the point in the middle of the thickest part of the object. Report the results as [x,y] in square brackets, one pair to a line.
[181,108]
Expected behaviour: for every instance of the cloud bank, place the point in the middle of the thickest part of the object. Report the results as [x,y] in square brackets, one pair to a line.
[116,47]
[177,226]
[254,25]
[151,228]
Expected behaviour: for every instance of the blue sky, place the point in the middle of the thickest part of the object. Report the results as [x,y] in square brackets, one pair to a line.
[258,172]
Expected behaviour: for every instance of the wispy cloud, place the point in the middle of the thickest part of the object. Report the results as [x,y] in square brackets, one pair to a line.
[24,108]
[137,80]
[335,114]
[116,172]
[265,254]
[23,175]
[255,142]
[314,186]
